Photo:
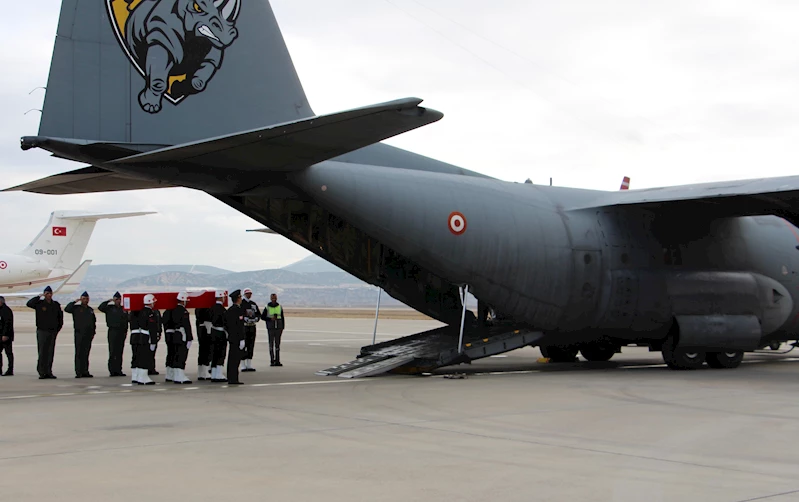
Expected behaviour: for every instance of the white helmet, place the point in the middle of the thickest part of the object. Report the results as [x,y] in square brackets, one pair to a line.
[149,299]
[220,293]
[183,296]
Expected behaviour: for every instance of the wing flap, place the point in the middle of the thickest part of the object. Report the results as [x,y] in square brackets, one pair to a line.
[86,180]
[294,145]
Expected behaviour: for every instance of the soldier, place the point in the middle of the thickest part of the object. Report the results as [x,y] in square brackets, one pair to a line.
[117,321]
[251,317]
[169,338]
[218,339]
[145,327]
[151,369]
[234,322]
[275,322]
[49,321]
[85,323]
[6,337]
[203,321]
[181,339]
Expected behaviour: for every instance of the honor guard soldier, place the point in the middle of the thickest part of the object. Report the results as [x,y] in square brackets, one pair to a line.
[6,337]
[274,326]
[251,317]
[171,348]
[234,322]
[218,339]
[117,321]
[49,321]
[181,338]
[203,322]
[145,327]
[85,323]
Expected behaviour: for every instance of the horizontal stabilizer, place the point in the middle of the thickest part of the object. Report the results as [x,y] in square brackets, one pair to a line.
[86,180]
[294,145]
[264,231]
[103,216]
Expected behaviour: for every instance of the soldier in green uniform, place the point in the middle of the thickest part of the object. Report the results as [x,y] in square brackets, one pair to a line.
[85,324]
[117,321]
[49,321]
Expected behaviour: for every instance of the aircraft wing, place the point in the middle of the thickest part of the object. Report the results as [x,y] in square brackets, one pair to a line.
[86,180]
[68,286]
[777,196]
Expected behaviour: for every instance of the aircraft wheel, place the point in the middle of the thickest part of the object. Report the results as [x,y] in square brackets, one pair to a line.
[681,359]
[721,360]
[596,352]
[559,354]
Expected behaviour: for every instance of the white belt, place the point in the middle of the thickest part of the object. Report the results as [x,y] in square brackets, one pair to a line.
[140,331]
[219,329]
[170,331]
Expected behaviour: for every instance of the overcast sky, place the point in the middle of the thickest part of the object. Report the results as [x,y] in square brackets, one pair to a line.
[584,91]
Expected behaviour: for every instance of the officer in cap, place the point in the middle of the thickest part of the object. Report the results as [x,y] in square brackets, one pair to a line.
[234,322]
[49,321]
[145,327]
[218,339]
[85,324]
[181,339]
[251,317]
[117,321]
[6,337]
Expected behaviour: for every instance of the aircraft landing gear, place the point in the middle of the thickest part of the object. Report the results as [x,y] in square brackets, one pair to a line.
[681,359]
[725,359]
[558,354]
[598,352]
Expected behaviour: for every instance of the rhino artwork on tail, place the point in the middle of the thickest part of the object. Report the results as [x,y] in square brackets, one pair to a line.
[176,45]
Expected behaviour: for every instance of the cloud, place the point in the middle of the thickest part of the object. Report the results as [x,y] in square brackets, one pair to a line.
[584,92]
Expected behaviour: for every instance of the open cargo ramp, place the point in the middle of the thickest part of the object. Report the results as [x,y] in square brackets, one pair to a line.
[429,350]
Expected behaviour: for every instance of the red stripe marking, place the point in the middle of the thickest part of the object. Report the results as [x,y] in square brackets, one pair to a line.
[31,283]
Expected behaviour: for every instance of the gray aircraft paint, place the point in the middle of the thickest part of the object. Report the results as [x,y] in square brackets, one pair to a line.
[579,264]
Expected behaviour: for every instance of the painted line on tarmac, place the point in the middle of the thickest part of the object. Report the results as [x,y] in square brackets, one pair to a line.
[361,340]
[90,392]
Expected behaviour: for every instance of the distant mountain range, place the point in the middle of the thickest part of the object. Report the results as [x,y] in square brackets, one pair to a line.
[310,282]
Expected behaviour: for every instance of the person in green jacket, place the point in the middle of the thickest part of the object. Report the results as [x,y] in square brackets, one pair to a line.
[275,322]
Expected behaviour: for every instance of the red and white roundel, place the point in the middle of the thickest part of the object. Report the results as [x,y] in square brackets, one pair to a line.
[457,223]
[3,265]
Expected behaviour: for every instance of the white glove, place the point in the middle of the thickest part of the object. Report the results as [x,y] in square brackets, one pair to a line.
[41,297]
[241,345]
[152,347]
[188,345]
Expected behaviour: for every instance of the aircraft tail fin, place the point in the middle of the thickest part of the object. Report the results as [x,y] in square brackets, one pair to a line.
[625,183]
[165,72]
[64,239]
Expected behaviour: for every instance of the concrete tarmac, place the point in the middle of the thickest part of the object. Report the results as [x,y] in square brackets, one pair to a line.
[511,429]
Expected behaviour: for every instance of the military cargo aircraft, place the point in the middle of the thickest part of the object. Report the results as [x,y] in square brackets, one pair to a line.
[203,94]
